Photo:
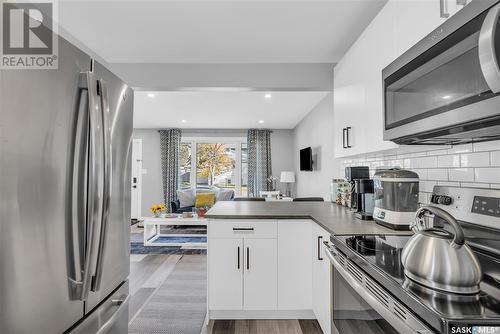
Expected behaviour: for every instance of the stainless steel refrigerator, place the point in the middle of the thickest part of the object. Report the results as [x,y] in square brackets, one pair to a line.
[65,165]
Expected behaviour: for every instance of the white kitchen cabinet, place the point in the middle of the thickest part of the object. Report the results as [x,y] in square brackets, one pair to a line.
[294,265]
[321,279]
[260,277]
[242,265]
[358,89]
[225,258]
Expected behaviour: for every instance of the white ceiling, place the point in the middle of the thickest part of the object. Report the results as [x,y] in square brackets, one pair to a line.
[222,110]
[231,31]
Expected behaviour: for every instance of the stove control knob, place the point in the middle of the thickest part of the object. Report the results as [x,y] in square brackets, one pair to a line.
[445,200]
[435,199]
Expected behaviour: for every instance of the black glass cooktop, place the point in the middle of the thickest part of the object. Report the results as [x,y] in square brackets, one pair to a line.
[383,252]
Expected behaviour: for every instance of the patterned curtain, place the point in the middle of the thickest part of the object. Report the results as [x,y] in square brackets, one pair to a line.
[170,142]
[259,161]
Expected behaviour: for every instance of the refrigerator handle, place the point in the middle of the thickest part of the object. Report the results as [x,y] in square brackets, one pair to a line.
[77,213]
[88,83]
[103,93]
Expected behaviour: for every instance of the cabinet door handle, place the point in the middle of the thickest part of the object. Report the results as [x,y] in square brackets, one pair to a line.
[443,9]
[348,130]
[248,258]
[238,257]
[243,228]
[343,137]
[319,248]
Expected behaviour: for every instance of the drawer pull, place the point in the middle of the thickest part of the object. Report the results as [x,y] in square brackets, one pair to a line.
[243,228]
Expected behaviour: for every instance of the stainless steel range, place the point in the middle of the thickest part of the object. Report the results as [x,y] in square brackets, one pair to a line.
[372,294]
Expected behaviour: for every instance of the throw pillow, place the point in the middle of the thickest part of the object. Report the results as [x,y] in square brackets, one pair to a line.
[225,195]
[186,197]
[205,199]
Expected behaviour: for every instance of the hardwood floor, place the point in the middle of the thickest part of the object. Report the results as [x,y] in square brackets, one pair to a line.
[264,327]
[166,291]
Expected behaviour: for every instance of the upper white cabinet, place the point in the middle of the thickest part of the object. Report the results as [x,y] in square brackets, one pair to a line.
[358,90]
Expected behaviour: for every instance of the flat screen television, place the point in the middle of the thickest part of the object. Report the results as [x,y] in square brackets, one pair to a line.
[306,161]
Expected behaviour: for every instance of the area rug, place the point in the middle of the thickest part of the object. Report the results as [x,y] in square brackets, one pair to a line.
[179,305]
[137,241]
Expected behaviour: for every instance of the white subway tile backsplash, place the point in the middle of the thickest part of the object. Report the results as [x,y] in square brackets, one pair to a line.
[427,186]
[479,159]
[472,165]
[495,159]
[461,174]
[448,184]
[423,162]
[487,146]
[422,173]
[423,198]
[460,149]
[437,174]
[447,161]
[474,185]
[487,175]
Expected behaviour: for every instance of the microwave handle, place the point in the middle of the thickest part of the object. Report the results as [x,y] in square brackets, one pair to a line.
[486,48]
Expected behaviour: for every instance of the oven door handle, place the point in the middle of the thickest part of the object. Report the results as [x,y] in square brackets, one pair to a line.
[368,297]
[486,48]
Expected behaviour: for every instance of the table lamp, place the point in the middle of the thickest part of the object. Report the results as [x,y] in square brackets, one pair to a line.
[287,178]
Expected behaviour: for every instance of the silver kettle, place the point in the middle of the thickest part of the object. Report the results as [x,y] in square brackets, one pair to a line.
[439,259]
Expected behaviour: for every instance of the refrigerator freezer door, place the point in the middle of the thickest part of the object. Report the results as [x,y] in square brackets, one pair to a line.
[113,262]
[110,317]
[38,111]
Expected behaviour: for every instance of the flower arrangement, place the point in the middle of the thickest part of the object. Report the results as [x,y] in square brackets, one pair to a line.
[158,209]
[201,211]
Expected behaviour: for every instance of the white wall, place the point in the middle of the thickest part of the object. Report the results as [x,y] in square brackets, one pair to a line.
[316,131]
[152,188]
[152,192]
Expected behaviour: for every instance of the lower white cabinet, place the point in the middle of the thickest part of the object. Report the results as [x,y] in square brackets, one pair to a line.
[269,265]
[260,274]
[321,280]
[294,265]
[242,265]
[225,274]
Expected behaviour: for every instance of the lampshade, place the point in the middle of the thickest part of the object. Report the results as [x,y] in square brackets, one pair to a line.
[287,177]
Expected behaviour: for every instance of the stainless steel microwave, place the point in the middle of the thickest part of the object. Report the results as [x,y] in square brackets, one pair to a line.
[446,88]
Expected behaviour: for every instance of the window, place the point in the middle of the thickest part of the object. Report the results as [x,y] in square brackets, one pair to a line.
[244,170]
[219,162]
[185,166]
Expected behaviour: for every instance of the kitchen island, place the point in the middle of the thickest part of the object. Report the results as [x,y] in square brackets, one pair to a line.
[266,260]
[333,218]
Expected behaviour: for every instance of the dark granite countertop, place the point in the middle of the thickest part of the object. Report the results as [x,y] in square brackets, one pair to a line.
[336,219]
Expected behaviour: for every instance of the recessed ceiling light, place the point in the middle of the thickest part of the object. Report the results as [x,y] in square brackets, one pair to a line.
[261,121]
[184,121]
[267,96]
[151,95]
[446,97]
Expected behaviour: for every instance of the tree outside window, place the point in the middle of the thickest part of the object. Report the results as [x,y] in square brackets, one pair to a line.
[215,164]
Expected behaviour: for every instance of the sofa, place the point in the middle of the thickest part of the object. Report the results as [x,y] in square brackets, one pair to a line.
[186,198]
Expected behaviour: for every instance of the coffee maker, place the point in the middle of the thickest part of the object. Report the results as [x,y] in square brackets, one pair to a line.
[361,199]
[363,192]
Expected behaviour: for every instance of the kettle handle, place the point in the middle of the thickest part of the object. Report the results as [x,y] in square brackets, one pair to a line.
[458,238]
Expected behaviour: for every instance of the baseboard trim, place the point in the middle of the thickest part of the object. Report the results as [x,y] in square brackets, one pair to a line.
[261,314]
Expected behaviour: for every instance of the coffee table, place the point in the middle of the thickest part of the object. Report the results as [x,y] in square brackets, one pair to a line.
[154,237]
